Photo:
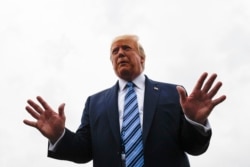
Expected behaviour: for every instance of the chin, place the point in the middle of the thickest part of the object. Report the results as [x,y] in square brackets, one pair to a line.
[125,74]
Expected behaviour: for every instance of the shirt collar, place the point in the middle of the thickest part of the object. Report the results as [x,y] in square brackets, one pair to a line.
[139,82]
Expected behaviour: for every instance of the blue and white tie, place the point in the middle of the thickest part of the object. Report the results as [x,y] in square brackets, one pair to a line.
[131,130]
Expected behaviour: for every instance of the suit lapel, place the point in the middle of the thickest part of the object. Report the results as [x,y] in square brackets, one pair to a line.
[112,110]
[152,92]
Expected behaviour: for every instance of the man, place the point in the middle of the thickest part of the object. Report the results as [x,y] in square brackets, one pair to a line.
[172,123]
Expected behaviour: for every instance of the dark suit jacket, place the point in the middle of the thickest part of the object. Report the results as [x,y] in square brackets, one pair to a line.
[167,136]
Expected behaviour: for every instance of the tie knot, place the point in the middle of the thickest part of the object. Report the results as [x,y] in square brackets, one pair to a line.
[130,84]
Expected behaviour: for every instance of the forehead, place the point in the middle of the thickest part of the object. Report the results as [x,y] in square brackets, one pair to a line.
[123,42]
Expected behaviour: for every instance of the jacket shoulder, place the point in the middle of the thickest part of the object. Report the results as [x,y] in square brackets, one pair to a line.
[106,91]
[161,84]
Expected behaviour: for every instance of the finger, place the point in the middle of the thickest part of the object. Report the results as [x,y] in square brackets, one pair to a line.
[200,82]
[214,90]
[61,110]
[219,100]
[209,83]
[33,113]
[30,123]
[35,106]
[44,103]
[182,93]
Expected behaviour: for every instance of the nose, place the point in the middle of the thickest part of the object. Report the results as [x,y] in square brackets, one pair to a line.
[121,52]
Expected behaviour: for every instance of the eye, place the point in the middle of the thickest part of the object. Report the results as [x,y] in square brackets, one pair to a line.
[115,51]
[126,48]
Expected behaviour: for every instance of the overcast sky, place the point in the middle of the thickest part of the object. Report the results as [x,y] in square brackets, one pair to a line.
[60,50]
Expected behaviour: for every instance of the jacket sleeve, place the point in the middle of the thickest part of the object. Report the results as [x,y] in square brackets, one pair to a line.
[76,147]
[194,141]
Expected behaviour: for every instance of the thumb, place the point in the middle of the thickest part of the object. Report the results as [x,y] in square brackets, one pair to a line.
[182,93]
[61,110]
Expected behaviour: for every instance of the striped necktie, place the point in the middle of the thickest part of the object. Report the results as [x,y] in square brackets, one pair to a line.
[131,130]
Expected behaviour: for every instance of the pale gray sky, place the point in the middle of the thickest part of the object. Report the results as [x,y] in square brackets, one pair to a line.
[60,50]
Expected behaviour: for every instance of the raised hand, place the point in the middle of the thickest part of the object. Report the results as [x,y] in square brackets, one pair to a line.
[200,103]
[50,123]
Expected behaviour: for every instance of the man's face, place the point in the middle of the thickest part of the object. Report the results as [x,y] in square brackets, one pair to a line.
[127,62]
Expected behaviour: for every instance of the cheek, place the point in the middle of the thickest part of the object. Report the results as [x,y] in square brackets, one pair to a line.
[139,62]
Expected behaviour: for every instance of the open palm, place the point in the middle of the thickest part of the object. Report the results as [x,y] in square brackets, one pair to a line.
[48,122]
[200,103]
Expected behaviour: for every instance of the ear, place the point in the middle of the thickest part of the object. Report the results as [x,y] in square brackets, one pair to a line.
[111,60]
[142,59]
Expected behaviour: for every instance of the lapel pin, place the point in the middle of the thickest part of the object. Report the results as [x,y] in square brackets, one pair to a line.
[155,88]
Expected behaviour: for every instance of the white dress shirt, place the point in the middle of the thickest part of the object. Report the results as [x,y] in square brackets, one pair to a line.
[139,90]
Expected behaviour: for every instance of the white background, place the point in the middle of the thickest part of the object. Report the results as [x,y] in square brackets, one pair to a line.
[60,50]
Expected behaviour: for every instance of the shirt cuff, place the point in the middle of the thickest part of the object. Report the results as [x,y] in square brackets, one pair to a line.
[200,127]
[52,147]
